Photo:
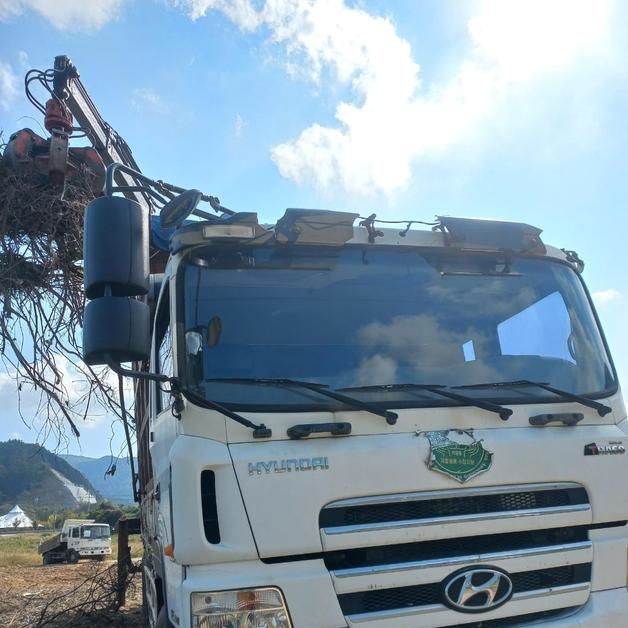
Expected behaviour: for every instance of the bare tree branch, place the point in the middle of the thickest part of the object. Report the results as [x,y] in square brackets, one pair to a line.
[42,301]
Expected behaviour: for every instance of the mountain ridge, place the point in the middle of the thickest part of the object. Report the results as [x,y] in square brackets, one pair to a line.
[34,477]
[116,488]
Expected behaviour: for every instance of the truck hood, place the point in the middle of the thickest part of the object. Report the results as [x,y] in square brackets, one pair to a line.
[287,484]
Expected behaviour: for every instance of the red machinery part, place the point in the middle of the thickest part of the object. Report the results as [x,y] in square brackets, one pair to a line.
[21,147]
[57,116]
[26,148]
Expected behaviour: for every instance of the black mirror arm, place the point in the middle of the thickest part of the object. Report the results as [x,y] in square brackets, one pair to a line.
[175,388]
[147,187]
[259,431]
[120,370]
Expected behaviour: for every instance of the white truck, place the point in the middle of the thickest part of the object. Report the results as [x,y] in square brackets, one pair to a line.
[340,425]
[79,538]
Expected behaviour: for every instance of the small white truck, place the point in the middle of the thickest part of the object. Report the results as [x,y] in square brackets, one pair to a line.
[79,538]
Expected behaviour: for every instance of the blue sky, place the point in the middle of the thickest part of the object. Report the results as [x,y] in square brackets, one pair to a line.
[505,109]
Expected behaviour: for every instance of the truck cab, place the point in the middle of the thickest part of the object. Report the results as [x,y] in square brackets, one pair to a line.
[342,425]
[79,538]
[88,539]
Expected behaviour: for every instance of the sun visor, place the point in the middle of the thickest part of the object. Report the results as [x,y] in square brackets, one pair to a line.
[315,226]
[477,234]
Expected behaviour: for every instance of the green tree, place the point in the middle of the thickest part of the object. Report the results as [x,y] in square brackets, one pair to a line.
[106,512]
[54,521]
[131,511]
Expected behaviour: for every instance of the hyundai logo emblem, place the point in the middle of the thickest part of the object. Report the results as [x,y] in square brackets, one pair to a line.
[477,589]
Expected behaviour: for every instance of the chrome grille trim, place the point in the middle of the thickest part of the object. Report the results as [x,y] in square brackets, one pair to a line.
[568,588]
[393,614]
[450,493]
[469,559]
[490,516]
[435,608]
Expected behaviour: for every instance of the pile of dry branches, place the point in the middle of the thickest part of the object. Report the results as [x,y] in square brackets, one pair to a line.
[41,300]
[34,217]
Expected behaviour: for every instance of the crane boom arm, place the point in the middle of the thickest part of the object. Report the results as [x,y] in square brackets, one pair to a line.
[112,148]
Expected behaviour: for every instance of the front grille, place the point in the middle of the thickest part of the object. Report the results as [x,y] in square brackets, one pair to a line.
[368,577]
[550,578]
[422,595]
[387,599]
[417,507]
[449,548]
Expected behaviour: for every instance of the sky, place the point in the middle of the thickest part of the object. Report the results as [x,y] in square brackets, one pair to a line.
[504,109]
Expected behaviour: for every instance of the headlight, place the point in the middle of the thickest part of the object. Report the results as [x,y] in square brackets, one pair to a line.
[244,608]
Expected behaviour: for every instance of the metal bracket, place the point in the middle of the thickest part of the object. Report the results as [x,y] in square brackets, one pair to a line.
[369,224]
[574,259]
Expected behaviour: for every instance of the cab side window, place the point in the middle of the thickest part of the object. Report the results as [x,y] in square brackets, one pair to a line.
[163,347]
[75,533]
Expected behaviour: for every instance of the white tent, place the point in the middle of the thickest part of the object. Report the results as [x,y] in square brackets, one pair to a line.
[15,518]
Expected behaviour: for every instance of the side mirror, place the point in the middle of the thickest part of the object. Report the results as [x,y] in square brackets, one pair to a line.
[116,328]
[175,211]
[115,245]
[116,325]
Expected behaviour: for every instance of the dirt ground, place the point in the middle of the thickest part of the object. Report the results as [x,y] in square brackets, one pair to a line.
[72,596]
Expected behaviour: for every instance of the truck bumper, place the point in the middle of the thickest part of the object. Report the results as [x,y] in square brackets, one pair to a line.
[312,601]
[100,552]
[608,609]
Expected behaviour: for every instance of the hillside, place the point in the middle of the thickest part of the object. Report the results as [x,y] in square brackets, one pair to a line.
[116,488]
[34,477]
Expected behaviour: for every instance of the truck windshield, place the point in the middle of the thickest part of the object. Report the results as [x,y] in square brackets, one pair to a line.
[354,317]
[95,532]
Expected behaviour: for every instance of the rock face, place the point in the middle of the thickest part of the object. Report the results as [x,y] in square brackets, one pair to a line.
[80,494]
[34,477]
[117,487]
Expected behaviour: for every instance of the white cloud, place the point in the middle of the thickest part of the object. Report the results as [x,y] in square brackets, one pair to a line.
[239,126]
[522,39]
[24,411]
[415,343]
[9,8]
[601,298]
[15,392]
[23,60]
[147,99]
[392,119]
[373,144]
[26,408]
[242,12]
[8,85]
[65,14]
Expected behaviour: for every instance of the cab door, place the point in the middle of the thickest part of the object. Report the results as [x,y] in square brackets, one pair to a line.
[74,538]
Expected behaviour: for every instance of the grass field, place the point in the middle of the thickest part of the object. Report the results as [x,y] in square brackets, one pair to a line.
[21,549]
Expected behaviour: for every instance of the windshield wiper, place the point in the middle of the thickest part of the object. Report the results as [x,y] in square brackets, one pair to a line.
[321,389]
[178,391]
[438,389]
[259,431]
[601,408]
